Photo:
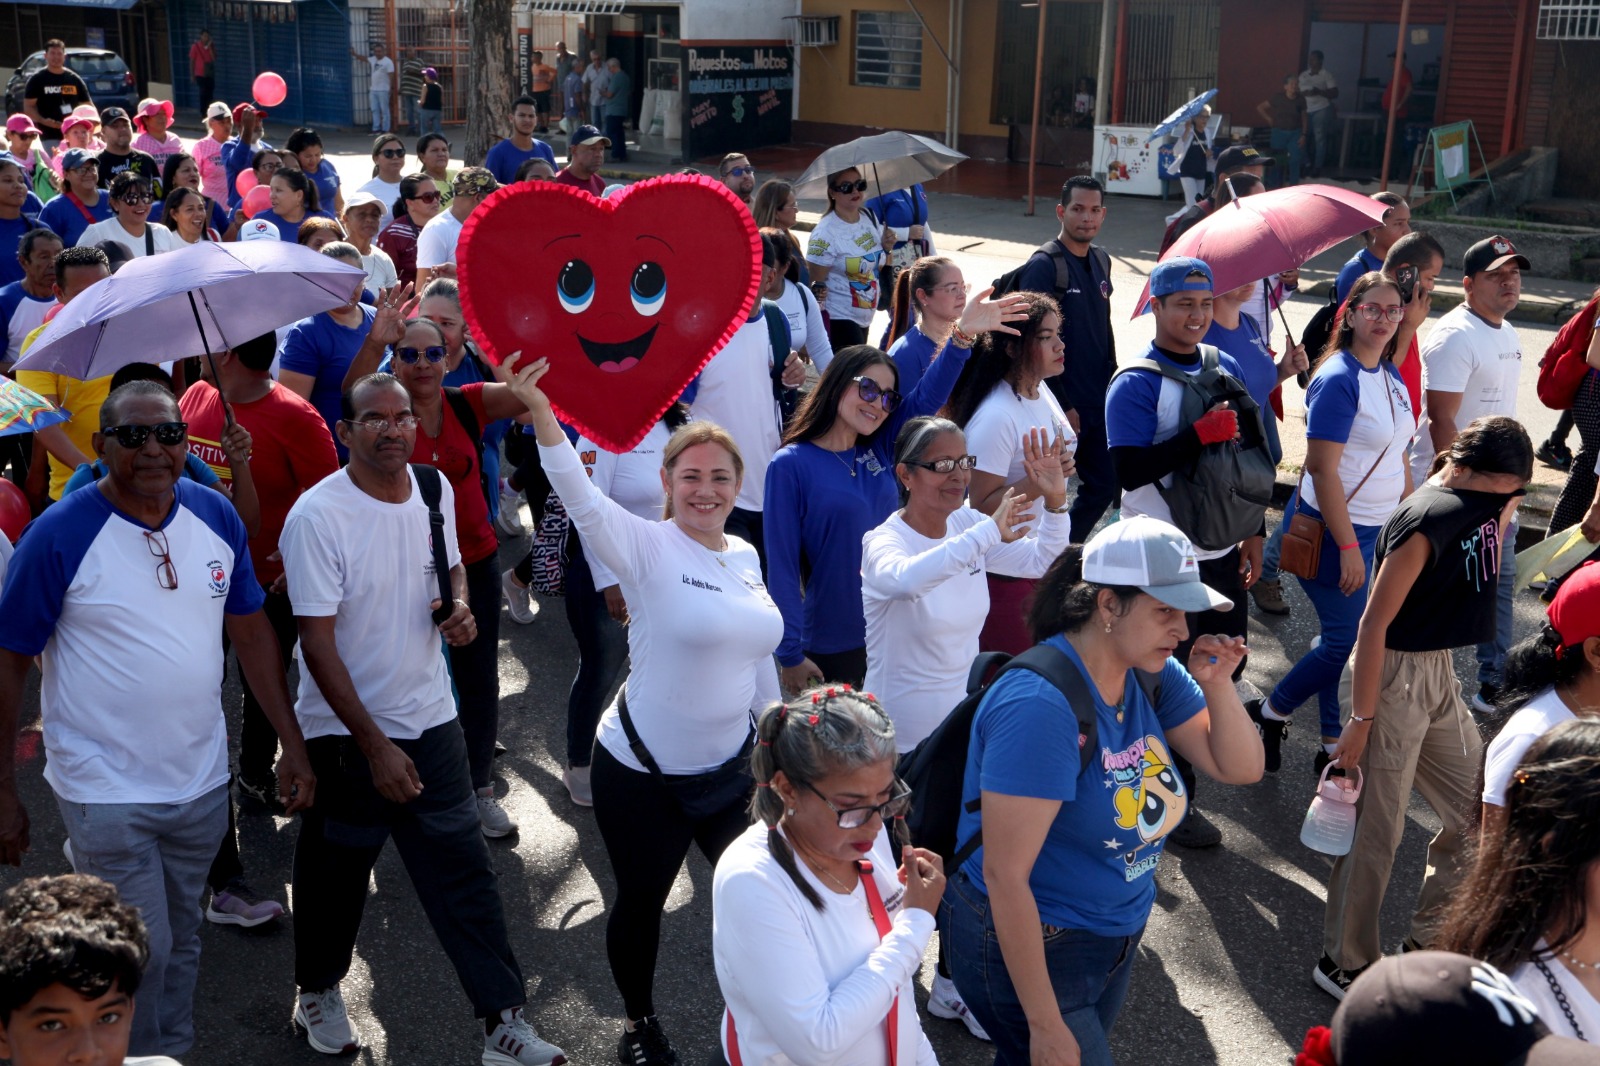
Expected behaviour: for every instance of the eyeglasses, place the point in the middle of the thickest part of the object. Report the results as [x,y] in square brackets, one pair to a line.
[954,288]
[381,425]
[430,197]
[166,573]
[135,199]
[392,153]
[409,356]
[741,172]
[848,187]
[24,134]
[856,817]
[1378,312]
[944,466]
[870,390]
[168,434]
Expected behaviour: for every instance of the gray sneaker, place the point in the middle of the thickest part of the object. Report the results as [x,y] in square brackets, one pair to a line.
[1269,597]
[492,817]
[520,603]
[515,1042]
[327,1026]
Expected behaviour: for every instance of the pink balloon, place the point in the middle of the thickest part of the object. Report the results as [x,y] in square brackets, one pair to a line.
[14,512]
[269,89]
[246,181]
[256,201]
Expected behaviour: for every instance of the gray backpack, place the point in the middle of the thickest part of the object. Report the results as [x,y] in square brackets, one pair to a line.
[1221,497]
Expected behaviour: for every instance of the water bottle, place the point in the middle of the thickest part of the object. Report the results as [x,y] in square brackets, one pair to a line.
[1330,823]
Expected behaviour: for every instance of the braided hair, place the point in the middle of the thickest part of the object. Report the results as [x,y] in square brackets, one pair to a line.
[825,730]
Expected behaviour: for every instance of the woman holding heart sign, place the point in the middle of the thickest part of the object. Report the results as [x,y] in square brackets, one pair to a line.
[671,759]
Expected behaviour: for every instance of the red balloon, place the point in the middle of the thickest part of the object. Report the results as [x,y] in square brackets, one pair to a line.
[14,512]
[269,89]
[246,181]
[256,201]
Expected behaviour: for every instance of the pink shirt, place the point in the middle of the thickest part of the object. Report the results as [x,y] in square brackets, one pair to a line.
[207,152]
[159,150]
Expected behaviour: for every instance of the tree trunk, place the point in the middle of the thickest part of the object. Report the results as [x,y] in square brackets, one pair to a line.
[491,75]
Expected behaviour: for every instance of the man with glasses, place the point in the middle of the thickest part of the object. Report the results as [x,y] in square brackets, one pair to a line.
[119,154]
[738,175]
[506,157]
[362,559]
[124,591]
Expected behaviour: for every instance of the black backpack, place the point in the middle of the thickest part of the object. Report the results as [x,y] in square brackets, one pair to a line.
[1220,498]
[936,768]
[1057,252]
[1317,332]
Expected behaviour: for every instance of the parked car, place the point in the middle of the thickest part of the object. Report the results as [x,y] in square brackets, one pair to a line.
[111,83]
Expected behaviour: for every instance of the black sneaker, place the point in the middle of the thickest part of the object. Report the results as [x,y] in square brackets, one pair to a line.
[1333,980]
[1196,831]
[1272,734]
[1554,455]
[646,1046]
[1320,762]
[258,794]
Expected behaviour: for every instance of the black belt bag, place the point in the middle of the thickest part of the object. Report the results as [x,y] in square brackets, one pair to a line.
[702,795]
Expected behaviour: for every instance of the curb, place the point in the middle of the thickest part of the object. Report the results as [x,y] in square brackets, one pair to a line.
[1542,310]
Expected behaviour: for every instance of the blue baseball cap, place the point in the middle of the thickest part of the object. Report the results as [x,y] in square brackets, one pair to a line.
[1172,275]
[73,158]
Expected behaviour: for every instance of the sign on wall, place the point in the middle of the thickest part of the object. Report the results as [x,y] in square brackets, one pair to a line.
[739,98]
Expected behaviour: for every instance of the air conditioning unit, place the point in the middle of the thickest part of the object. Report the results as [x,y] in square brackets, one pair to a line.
[816,31]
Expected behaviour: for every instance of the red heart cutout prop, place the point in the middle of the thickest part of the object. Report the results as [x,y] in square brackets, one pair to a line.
[628,297]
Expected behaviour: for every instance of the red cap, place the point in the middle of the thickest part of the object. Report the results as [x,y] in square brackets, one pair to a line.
[239,112]
[1575,611]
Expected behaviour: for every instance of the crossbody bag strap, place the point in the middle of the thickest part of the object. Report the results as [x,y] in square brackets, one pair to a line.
[1387,391]
[880,918]
[642,753]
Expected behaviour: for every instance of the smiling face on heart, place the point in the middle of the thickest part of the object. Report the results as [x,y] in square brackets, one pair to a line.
[628,297]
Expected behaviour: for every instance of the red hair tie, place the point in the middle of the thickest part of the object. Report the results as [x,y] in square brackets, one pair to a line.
[765,743]
[763,784]
[815,719]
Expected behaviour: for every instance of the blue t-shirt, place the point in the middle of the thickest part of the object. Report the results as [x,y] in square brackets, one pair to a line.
[1361,263]
[289,232]
[912,354]
[194,468]
[236,157]
[11,231]
[814,508]
[322,349]
[63,216]
[504,159]
[326,179]
[1251,352]
[1085,330]
[1096,869]
[1134,399]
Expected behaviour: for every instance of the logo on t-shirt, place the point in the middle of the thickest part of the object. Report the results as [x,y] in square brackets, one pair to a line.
[1482,551]
[218,578]
[1149,798]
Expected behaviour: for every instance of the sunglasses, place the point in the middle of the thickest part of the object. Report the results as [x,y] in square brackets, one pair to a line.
[741,172]
[871,391]
[848,187]
[1378,312]
[944,466]
[381,425]
[431,197]
[409,356]
[856,817]
[392,153]
[135,199]
[168,434]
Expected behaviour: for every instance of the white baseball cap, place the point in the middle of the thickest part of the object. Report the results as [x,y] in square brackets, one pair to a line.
[1154,557]
[218,109]
[258,229]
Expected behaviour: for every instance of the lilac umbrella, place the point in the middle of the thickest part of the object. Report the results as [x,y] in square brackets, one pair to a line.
[198,300]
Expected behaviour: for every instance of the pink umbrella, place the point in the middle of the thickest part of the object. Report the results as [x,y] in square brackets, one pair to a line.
[1258,236]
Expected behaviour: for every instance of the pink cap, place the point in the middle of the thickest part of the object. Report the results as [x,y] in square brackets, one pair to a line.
[20,124]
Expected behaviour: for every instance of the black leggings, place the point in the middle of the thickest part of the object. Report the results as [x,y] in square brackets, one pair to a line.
[842,333]
[647,837]
[475,669]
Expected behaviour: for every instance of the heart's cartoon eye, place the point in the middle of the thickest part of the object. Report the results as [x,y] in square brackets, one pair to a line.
[575,287]
[648,288]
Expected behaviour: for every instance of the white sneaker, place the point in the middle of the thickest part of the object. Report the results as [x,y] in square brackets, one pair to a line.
[327,1026]
[520,604]
[492,817]
[576,778]
[509,521]
[514,1042]
[945,1002]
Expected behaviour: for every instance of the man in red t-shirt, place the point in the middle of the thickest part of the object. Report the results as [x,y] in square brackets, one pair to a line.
[1427,255]
[585,154]
[291,451]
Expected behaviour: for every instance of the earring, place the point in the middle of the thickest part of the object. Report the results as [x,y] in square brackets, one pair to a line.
[1108,627]
[791,811]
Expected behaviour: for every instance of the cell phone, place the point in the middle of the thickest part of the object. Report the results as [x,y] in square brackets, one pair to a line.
[1406,278]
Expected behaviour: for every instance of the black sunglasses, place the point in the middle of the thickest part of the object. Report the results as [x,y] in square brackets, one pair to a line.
[392,153]
[848,187]
[409,356]
[167,433]
[944,466]
[870,390]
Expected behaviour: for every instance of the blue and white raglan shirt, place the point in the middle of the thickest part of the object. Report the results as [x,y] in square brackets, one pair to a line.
[132,689]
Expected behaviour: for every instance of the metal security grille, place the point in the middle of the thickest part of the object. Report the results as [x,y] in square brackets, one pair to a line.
[1171,55]
[1569,20]
[888,47]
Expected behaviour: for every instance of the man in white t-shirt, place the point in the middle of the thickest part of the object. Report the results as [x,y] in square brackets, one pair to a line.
[123,589]
[436,244]
[1471,363]
[1320,91]
[381,69]
[359,552]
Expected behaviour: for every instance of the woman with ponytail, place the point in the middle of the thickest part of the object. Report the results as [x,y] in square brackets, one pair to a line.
[813,888]
[808,333]
[934,291]
[1551,677]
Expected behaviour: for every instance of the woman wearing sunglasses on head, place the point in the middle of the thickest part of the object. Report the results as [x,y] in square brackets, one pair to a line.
[129,224]
[419,200]
[846,249]
[814,887]
[833,481]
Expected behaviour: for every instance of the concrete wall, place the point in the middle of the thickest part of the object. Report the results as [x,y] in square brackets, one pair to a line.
[1574,117]
[736,20]
[1552,251]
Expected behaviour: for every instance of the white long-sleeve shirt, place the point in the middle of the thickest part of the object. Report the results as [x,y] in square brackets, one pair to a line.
[807,332]
[814,988]
[632,479]
[926,601]
[701,628]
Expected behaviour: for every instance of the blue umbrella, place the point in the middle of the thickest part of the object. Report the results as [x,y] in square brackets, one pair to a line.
[1182,115]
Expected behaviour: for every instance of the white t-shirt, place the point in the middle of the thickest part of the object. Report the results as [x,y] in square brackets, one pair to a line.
[162,239]
[382,73]
[380,269]
[1321,81]
[632,480]
[1467,355]
[388,192]
[807,986]
[437,242]
[1533,720]
[735,392]
[27,317]
[995,432]
[1531,983]
[926,601]
[851,252]
[368,565]
[806,330]
[701,629]
[1368,411]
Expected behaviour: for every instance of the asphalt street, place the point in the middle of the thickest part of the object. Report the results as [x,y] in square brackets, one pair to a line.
[1223,973]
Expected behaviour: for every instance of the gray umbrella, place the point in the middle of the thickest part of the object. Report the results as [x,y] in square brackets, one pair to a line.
[893,160]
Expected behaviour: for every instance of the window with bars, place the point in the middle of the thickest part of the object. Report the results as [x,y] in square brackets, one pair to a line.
[1569,20]
[888,47]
